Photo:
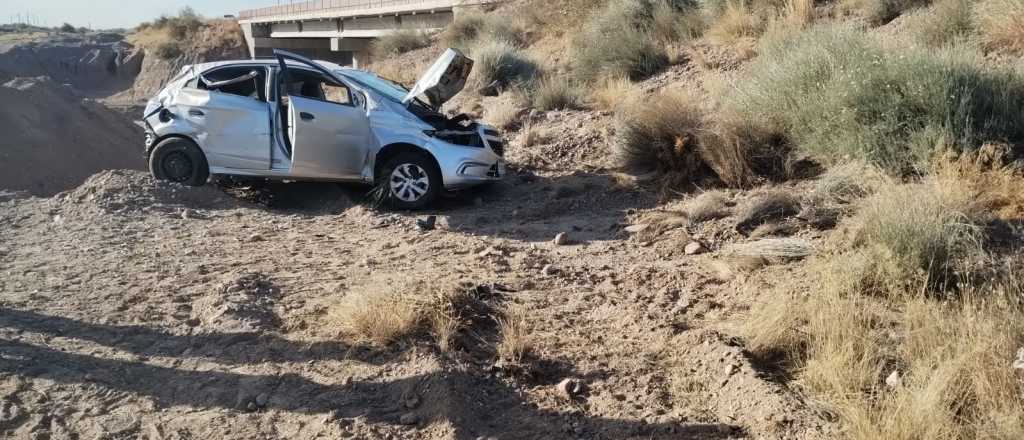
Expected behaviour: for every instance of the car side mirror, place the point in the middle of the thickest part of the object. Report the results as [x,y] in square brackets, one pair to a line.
[359,99]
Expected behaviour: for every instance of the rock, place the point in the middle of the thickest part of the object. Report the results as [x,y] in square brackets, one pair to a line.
[549,270]
[251,407]
[895,380]
[186,214]
[636,229]
[262,400]
[731,369]
[1019,363]
[562,239]
[570,388]
[695,248]
[255,238]
[427,224]
[409,419]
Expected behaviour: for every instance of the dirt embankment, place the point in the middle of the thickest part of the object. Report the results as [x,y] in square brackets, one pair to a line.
[54,139]
[96,65]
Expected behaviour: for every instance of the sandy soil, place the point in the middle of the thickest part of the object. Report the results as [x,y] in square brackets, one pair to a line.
[138,310]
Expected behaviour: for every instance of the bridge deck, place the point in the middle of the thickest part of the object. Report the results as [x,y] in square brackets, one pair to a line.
[325,9]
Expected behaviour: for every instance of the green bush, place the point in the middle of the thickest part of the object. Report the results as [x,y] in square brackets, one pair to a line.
[500,64]
[400,42]
[952,20]
[836,94]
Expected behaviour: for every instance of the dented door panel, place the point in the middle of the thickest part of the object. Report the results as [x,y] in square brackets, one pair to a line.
[234,131]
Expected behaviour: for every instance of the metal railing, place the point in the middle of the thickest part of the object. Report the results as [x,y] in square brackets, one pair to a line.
[340,6]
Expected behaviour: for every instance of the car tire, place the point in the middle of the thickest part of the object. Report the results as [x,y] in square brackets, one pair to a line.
[410,181]
[179,160]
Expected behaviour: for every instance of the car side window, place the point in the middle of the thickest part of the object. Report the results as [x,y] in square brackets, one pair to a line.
[313,85]
[247,81]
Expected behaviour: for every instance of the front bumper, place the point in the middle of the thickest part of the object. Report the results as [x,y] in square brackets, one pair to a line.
[463,167]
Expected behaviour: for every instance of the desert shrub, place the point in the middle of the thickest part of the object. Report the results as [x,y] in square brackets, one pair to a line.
[475,27]
[400,42]
[737,21]
[169,50]
[627,37]
[709,205]
[660,134]
[500,65]
[613,92]
[559,93]
[507,110]
[377,317]
[1001,24]
[879,12]
[181,26]
[950,21]
[516,341]
[835,94]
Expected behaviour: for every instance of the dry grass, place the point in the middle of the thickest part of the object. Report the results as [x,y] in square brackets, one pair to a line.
[737,23]
[500,65]
[507,110]
[661,134]
[614,92]
[879,12]
[400,42]
[709,205]
[1001,24]
[989,179]
[764,207]
[558,93]
[798,13]
[516,340]
[380,317]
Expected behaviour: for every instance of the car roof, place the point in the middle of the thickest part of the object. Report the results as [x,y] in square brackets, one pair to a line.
[202,67]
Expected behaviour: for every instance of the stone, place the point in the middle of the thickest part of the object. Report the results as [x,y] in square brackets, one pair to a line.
[636,229]
[262,400]
[549,270]
[694,248]
[731,369]
[255,238]
[562,239]
[186,214]
[895,380]
[570,388]
[1019,363]
[409,419]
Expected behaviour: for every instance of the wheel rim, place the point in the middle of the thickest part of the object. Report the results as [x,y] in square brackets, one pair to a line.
[177,166]
[409,182]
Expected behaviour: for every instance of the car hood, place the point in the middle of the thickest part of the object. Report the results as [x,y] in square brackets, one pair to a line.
[442,81]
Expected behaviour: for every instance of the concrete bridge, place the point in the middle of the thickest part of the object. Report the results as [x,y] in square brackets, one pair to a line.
[342,30]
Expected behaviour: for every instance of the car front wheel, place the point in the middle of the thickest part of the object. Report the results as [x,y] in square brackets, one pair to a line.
[179,160]
[412,181]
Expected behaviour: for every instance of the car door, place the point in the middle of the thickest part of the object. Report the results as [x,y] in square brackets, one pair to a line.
[328,129]
[229,107]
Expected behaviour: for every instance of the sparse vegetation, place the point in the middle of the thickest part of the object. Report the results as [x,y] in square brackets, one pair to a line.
[378,317]
[879,12]
[1001,24]
[834,94]
[473,28]
[516,340]
[662,135]
[951,21]
[500,65]
[169,50]
[559,93]
[400,42]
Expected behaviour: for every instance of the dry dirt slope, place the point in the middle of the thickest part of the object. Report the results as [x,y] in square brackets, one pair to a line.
[134,310]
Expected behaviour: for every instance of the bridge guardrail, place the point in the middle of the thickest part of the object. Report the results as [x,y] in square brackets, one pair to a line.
[340,6]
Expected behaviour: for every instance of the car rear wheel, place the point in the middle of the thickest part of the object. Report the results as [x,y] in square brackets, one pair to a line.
[179,160]
[411,181]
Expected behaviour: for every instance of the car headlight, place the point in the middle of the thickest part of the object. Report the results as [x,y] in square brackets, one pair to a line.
[458,137]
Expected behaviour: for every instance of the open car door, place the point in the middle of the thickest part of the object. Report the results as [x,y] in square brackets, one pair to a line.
[328,129]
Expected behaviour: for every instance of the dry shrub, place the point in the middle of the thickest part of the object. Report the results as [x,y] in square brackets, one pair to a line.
[709,205]
[737,23]
[1001,24]
[849,182]
[798,13]
[380,317]
[500,65]
[507,109]
[516,340]
[473,27]
[765,207]
[617,41]
[661,134]
[613,92]
[400,42]
[559,93]
[950,21]
[879,12]
[989,178]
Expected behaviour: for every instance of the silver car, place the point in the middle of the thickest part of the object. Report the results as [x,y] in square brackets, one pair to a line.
[293,118]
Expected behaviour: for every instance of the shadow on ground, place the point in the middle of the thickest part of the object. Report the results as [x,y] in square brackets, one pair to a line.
[473,403]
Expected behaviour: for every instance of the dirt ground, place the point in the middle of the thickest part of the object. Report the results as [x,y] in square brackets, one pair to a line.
[139,310]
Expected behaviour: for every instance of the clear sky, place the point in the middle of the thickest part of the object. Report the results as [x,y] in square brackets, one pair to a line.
[115,13]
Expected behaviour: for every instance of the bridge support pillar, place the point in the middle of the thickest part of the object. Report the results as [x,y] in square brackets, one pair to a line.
[358,47]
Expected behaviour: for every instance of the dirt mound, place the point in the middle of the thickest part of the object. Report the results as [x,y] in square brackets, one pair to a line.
[98,64]
[242,305]
[53,139]
[122,191]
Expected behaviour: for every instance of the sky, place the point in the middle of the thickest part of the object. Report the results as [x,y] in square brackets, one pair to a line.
[105,14]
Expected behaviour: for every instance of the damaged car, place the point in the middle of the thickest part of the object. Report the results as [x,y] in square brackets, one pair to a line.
[292,118]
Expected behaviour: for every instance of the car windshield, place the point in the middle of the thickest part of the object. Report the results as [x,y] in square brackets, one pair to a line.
[390,89]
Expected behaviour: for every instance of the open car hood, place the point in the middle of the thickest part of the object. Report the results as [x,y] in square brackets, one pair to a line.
[442,81]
